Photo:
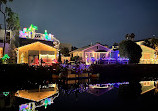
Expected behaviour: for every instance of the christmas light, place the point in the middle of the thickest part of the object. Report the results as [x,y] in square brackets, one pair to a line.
[5,57]
[5,93]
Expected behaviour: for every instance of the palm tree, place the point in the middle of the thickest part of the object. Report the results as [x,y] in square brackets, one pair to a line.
[32,29]
[132,36]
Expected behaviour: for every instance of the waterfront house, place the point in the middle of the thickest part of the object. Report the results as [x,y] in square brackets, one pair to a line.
[37,48]
[30,47]
[91,53]
[148,54]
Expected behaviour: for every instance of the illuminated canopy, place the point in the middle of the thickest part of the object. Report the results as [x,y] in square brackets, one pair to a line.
[37,48]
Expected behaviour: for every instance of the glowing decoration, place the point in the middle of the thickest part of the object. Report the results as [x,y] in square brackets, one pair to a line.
[47,102]
[31,33]
[5,93]
[27,107]
[46,35]
[49,37]
[24,107]
[22,58]
[5,57]
[32,29]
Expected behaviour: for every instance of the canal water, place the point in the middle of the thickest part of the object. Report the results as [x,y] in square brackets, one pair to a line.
[81,95]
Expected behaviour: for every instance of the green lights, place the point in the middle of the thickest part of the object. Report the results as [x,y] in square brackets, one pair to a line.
[5,93]
[5,57]
[46,35]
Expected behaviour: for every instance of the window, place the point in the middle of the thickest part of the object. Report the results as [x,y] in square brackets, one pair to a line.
[8,34]
[97,47]
[80,54]
[146,83]
[91,55]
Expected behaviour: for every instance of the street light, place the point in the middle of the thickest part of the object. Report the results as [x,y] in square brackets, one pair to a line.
[4,40]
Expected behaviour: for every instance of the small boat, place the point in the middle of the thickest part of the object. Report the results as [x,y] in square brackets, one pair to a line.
[100,86]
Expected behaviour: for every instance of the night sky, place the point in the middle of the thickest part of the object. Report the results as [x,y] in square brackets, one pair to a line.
[81,22]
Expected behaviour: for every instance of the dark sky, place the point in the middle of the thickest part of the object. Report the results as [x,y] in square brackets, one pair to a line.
[81,22]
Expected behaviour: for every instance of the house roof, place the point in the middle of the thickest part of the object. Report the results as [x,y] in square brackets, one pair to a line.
[101,51]
[86,47]
[142,40]
[82,48]
[36,45]
[24,42]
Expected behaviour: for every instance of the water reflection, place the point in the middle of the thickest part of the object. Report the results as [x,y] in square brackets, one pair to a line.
[148,86]
[47,94]
[43,96]
[31,106]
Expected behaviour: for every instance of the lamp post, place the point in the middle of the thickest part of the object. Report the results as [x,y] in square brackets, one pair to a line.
[4,40]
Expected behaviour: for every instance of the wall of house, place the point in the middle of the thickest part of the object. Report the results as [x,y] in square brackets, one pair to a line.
[23,51]
[94,49]
[63,59]
[77,53]
[148,56]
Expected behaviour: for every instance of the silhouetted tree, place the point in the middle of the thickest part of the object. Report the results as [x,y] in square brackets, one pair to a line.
[130,36]
[65,51]
[13,22]
[59,58]
[5,1]
[74,48]
[147,43]
[131,50]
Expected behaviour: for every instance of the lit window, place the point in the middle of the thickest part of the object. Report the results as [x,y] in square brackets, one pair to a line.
[147,83]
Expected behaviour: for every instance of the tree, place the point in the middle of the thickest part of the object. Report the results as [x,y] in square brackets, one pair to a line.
[131,50]
[130,36]
[115,44]
[65,51]
[73,48]
[147,43]
[12,19]
[154,42]
[5,1]
[59,58]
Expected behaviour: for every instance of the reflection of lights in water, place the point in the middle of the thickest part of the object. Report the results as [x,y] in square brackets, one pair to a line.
[107,85]
[43,97]
[5,93]
[33,105]
[147,86]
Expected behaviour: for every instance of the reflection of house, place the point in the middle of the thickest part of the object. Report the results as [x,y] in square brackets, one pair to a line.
[91,53]
[147,86]
[44,97]
[37,94]
[148,54]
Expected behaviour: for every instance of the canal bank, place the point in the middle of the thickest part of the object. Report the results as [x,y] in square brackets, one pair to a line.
[127,72]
